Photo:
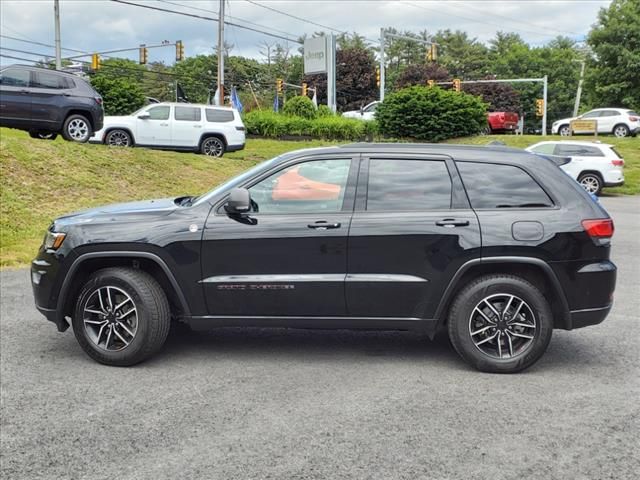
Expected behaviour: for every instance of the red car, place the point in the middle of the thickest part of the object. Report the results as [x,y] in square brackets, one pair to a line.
[500,122]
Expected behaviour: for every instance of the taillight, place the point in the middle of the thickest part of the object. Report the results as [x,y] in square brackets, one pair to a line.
[634,119]
[617,162]
[98,100]
[600,230]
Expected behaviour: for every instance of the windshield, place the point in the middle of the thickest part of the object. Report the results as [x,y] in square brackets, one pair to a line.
[239,180]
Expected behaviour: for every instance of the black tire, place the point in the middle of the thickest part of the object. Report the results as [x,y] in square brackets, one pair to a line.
[564,130]
[212,146]
[591,182]
[526,351]
[621,131]
[118,138]
[152,316]
[77,128]
[43,135]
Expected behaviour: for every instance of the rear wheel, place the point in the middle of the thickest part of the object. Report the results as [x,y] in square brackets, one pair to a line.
[564,130]
[591,182]
[500,324]
[118,138]
[212,146]
[621,131]
[76,128]
[121,317]
[43,135]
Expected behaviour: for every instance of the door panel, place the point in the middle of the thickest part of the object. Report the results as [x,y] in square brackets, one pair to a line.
[288,257]
[15,101]
[186,127]
[155,130]
[410,233]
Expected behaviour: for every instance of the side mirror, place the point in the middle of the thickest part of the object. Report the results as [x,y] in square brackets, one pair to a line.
[239,201]
[144,115]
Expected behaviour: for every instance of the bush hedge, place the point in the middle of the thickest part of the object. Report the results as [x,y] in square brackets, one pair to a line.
[300,106]
[275,125]
[430,114]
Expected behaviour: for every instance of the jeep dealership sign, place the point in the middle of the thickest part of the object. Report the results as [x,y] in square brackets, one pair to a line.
[315,55]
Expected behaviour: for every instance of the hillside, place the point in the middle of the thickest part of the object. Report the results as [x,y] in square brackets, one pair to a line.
[44,179]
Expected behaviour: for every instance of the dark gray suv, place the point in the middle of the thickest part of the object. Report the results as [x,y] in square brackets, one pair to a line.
[47,102]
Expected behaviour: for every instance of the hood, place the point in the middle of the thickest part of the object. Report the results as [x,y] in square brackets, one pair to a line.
[564,120]
[120,212]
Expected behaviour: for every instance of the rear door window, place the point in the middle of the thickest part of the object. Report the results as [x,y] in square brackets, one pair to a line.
[50,81]
[491,185]
[569,150]
[15,77]
[406,185]
[218,116]
[544,148]
[188,114]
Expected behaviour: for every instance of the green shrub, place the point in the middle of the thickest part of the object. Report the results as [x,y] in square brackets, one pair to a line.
[430,114]
[324,111]
[300,106]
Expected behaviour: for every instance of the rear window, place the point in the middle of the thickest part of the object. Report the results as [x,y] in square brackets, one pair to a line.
[631,113]
[569,150]
[51,81]
[402,185]
[219,116]
[616,152]
[189,114]
[491,185]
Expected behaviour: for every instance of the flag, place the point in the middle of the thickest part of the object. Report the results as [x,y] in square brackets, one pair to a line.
[235,100]
[216,97]
[315,98]
[180,95]
[276,103]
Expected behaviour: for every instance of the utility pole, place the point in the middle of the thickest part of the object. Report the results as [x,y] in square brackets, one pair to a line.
[56,13]
[331,71]
[576,106]
[381,64]
[544,98]
[221,53]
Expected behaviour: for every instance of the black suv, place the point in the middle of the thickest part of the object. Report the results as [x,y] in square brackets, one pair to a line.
[496,245]
[47,102]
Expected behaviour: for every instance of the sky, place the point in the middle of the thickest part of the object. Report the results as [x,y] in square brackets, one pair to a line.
[100,25]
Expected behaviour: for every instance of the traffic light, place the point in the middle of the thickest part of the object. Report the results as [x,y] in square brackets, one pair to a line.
[179,51]
[431,83]
[96,63]
[378,76]
[304,89]
[539,107]
[144,54]
[456,84]
[432,53]
[279,83]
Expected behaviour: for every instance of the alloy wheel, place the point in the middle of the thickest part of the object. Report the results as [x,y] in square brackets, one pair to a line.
[620,131]
[110,318]
[502,326]
[213,147]
[590,183]
[118,139]
[78,129]
[565,131]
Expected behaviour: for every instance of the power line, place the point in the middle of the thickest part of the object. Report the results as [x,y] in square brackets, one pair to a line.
[43,55]
[295,17]
[40,43]
[201,17]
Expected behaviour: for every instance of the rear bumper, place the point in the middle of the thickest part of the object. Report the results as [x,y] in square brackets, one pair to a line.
[234,148]
[614,184]
[588,316]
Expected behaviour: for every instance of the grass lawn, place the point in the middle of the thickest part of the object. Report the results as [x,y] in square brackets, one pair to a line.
[42,179]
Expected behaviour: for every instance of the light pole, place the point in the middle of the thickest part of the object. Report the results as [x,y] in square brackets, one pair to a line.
[56,13]
[220,85]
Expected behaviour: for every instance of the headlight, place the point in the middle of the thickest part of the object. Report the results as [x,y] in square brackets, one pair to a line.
[53,240]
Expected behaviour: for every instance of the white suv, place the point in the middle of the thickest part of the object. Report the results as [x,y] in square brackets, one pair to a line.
[594,165]
[176,126]
[622,122]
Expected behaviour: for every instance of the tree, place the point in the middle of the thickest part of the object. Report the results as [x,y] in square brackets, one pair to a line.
[499,97]
[613,79]
[419,74]
[464,57]
[121,96]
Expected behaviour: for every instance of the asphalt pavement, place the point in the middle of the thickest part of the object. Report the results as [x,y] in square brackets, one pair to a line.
[288,404]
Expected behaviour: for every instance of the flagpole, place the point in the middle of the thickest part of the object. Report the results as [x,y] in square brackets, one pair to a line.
[221,53]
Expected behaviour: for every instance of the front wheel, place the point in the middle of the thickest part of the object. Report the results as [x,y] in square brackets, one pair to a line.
[591,182]
[121,317]
[212,146]
[564,130]
[500,324]
[621,131]
[76,128]
[118,138]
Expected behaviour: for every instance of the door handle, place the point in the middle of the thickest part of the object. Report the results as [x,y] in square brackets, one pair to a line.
[24,91]
[452,222]
[323,225]
[197,126]
[164,124]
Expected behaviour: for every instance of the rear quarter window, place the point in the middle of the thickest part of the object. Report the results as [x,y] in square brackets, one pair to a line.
[491,185]
[218,116]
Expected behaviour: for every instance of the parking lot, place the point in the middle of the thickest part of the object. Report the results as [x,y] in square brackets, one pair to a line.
[252,403]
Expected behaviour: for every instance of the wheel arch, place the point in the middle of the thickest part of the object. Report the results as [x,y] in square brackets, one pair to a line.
[592,172]
[111,129]
[85,113]
[206,135]
[88,263]
[532,269]
[621,124]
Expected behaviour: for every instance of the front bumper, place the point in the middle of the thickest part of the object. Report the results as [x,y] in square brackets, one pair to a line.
[234,148]
[44,272]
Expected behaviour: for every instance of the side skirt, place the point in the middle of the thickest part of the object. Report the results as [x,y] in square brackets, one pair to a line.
[319,323]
